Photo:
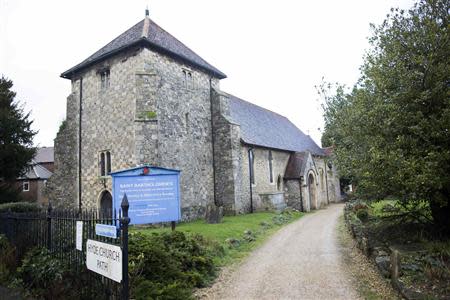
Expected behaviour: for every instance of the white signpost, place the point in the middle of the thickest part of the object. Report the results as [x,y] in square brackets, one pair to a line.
[104,259]
[79,241]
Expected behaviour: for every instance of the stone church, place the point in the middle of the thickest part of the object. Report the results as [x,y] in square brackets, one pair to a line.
[146,98]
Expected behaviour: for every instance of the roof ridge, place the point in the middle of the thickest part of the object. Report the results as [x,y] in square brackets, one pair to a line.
[162,29]
[263,127]
[146,27]
[116,38]
[148,34]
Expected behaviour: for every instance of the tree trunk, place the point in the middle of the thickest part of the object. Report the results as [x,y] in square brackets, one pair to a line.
[441,216]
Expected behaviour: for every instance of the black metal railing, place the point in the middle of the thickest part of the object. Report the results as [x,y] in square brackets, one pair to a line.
[55,229]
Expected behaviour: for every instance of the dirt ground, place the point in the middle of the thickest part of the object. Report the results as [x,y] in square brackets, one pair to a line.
[369,283]
[301,261]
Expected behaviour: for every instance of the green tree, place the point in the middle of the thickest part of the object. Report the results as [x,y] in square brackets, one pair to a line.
[392,130]
[16,139]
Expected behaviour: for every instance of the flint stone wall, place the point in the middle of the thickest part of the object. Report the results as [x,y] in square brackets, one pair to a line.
[149,114]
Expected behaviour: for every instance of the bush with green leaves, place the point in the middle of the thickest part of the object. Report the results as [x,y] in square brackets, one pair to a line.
[362,214]
[390,132]
[43,274]
[19,207]
[7,259]
[169,265]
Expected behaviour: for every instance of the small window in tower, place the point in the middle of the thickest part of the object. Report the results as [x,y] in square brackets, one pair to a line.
[108,162]
[102,164]
[186,116]
[104,79]
[105,163]
[188,79]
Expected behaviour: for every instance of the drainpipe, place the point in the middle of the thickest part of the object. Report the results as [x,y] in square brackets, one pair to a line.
[212,140]
[326,180]
[301,194]
[250,162]
[79,144]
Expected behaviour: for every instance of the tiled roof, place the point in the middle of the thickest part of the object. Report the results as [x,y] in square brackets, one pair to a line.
[36,171]
[148,34]
[262,127]
[296,165]
[44,154]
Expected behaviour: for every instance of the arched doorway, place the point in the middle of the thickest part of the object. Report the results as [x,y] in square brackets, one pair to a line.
[312,192]
[106,203]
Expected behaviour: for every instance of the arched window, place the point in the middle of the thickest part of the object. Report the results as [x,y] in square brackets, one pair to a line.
[251,155]
[106,203]
[279,183]
[102,164]
[108,162]
[105,163]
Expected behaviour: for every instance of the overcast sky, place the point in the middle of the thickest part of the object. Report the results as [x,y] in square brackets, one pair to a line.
[273,52]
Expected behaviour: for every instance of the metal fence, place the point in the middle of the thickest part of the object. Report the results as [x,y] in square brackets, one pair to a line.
[55,230]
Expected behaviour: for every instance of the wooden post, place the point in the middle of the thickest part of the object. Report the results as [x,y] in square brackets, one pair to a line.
[395,263]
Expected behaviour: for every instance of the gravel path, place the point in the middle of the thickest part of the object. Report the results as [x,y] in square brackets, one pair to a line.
[301,261]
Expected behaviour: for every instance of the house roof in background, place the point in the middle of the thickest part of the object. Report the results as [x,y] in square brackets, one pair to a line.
[262,127]
[36,171]
[151,35]
[44,155]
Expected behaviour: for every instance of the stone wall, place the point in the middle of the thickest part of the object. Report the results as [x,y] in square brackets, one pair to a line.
[150,113]
[262,177]
[292,194]
[62,187]
[334,185]
[227,150]
[108,122]
[178,134]
[322,193]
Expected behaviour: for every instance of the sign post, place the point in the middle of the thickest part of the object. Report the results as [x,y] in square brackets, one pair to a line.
[105,259]
[153,194]
[79,236]
[106,230]
[124,221]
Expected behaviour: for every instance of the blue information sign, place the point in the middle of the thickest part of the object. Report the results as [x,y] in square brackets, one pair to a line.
[153,194]
[106,230]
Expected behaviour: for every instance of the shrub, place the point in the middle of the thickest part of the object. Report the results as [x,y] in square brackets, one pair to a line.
[362,214]
[8,193]
[359,206]
[249,236]
[19,207]
[165,265]
[146,289]
[43,274]
[265,225]
[282,218]
[7,259]
[233,243]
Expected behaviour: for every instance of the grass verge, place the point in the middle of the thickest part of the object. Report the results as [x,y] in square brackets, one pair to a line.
[238,235]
